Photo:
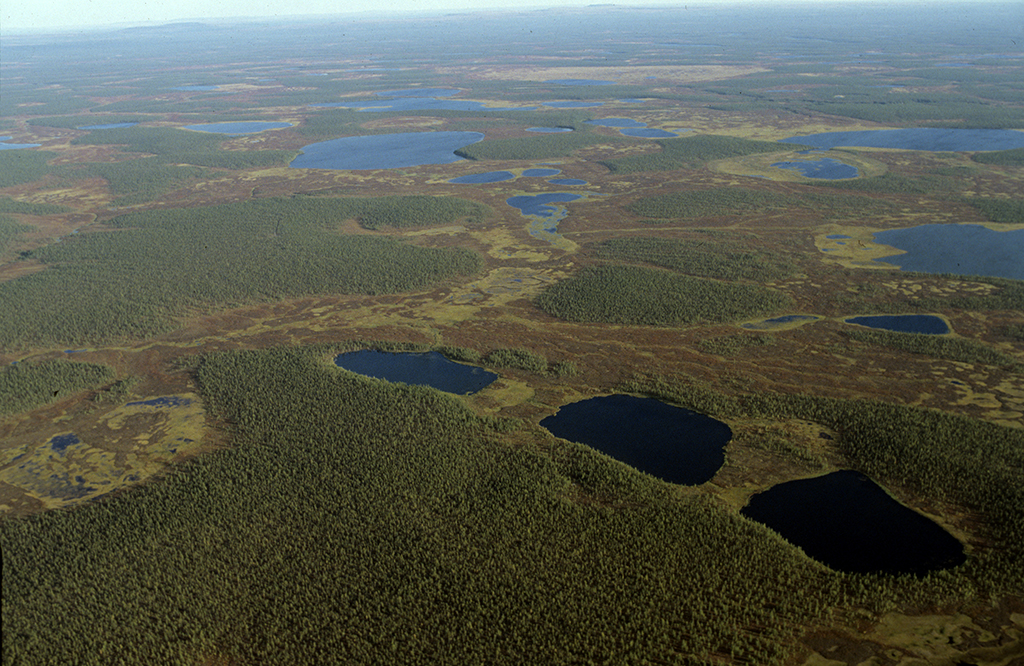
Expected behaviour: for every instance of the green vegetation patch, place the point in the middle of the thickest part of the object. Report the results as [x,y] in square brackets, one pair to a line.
[24,386]
[136,181]
[533,148]
[387,524]
[891,183]
[23,166]
[709,202]
[88,120]
[1001,211]
[939,346]
[9,205]
[706,257]
[135,281]
[637,295]
[521,359]
[1014,157]
[10,231]
[692,151]
[401,212]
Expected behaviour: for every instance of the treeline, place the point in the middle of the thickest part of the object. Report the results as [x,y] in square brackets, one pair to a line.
[134,282]
[939,346]
[1014,157]
[975,465]
[23,166]
[1001,211]
[645,296]
[377,523]
[690,152]
[706,257]
[24,386]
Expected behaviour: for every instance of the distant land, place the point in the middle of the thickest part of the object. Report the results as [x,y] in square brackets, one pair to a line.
[618,335]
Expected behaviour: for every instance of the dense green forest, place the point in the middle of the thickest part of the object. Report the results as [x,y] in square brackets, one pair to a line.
[636,295]
[690,152]
[23,166]
[939,346]
[24,386]
[9,205]
[534,147]
[710,256]
[362,521]
[10,230]
[1001,211]
[136,281]
[1014,157]
[715,201]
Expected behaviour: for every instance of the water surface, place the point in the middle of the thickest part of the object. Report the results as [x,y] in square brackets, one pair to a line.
[385,151]
[420,369]
[107,126]
[920,138]
[912,323]
[966,249]
[15,146]
[847,522]
[549,130]
[243,127]
[665,441]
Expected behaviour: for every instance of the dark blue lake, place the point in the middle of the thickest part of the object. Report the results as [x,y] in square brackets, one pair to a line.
[421,369]
[967,249]
[540,173]
[847,522]
[247,127]
[581,82]
[549,130]
[632,100]
[60,442]
[665,441]
[567,181]
[488,177]
[573,105]
[385,151]
[825,168]
[920,138]
[929,324]
[16,146]
[835,236]
[107,126]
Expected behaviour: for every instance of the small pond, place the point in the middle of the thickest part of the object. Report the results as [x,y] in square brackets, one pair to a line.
[546,217]
[15,146]
[777,322]
[540,173]
[966,249]
[630,127]
[60,442]
[823,169]
[164,401]
[632,100]
[914,323]
[668,442]
[847,522]
[385,151]
[573,105]
[421,369]
[549,130]
[921,138]
[246,127]
[107,126]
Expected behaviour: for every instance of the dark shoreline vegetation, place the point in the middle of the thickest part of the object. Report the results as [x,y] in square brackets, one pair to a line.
[355,518]
[25,386]
[175,259]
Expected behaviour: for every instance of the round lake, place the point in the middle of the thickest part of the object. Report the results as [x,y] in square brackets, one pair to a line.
[965,249]
[929,324]
[421,369]
[540,173]
[847,522]
[824,169]
[567,181]
[385,151]
[668,442]
[245,127]
[921,138]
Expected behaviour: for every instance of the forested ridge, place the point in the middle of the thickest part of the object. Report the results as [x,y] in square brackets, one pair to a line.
[693,151]
[24,386]
[713,257]
[134,282]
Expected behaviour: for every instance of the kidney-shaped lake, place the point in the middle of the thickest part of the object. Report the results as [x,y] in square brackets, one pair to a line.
[847,522]
[385,151]
[918,138]
[671,443]
[422,369]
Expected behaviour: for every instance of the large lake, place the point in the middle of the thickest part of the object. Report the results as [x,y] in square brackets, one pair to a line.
[665,441]
[847,522]
[920,138]
[421,369]
[385,151]
[244,127]
[966,249]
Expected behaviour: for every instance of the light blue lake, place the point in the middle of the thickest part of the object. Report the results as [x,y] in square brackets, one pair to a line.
[417,104]
[573,105]
[632,100]
[385,151]
[633,128]
[966,249]
[544,225]
[195,88]
[824,169]
[914,323]
[107,126]
[420,92]
[549,130]
[920,138]
[16,146]
[245,127]
[420,369]
[540,173]
[581,82]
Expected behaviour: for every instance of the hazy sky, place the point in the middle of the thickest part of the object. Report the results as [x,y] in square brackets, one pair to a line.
[19,15]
